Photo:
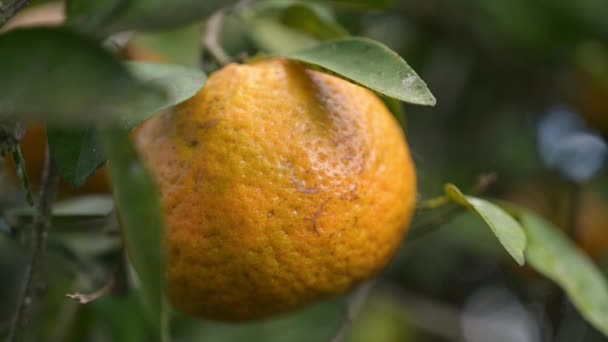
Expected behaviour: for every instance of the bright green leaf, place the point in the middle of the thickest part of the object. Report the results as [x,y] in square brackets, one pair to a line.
[139,207]
[551,253]
[369,64]
[508,231]
[55,75]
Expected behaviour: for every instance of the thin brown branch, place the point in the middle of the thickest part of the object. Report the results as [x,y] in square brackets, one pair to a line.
[41,225]
[352,307]
[211,39]
[8,10]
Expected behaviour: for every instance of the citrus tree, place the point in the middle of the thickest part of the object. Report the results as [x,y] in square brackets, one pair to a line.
[172,166]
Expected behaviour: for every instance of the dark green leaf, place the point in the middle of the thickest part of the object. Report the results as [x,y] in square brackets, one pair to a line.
[378,4]
[179,83]
[22,174]
[142,222]
[149,15]
[508,231]
[91,15]
[77,151]
[53,74]
[551,253]
[369,64]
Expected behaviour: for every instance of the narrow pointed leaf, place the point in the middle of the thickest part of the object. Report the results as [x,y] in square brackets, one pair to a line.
[370,64]
[508,231]
[551,253]
[139,207]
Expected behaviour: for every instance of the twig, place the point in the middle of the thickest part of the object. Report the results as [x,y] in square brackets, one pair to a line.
[352,307]
[211,39]
[9,10]
[84,298]
[41,225]
[483,184]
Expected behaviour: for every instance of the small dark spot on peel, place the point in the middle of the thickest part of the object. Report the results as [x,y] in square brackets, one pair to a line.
[208,124]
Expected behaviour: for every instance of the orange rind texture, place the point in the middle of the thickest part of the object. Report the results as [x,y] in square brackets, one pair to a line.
[280,186]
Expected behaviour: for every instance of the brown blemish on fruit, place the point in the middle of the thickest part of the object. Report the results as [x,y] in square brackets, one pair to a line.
[209,124]
[315,216]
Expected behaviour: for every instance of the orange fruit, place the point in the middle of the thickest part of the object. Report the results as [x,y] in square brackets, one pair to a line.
[33,147]
[280,186]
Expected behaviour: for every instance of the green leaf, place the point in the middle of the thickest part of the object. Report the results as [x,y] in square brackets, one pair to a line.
[55,75]
[508,231]
[152,15]
[78,151]
[179,83]
[139,207]
[377,4]
[271,36]
[369,64]
[22,174]
[91,15]
[79,214]
[313,19]
[181,45]
[551,253]
[281,27]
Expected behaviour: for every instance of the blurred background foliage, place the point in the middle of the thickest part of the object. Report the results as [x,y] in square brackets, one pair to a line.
[522,93]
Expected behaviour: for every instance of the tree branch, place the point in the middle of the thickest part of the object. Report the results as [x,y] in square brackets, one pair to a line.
[41,225]
[7,11]
[211,39]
